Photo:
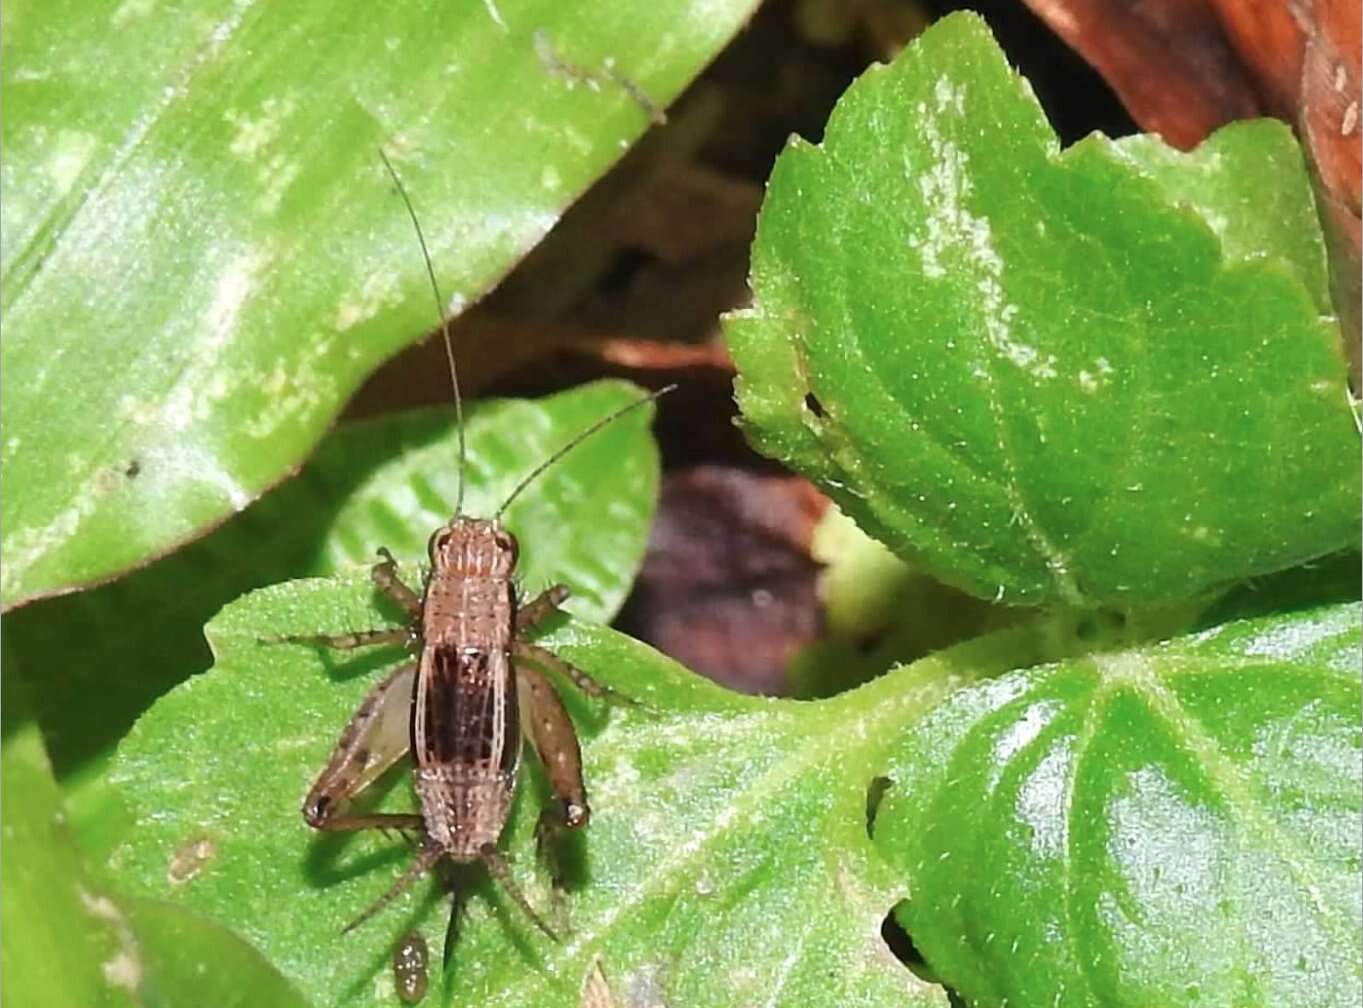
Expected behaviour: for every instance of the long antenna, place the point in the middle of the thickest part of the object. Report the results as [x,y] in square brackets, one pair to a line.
[444,326]
[608,418]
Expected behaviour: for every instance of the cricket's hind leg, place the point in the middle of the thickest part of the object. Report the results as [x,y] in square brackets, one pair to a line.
[501,874]
[376,737]
[426,860]
[552,734]
[554,737]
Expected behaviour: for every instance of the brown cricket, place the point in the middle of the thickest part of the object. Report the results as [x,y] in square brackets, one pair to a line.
[476,688]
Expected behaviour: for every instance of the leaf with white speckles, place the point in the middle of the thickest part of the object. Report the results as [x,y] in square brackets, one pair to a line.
[1172,825]
[388,481]
[727,861]
[1048,376]
[203,256]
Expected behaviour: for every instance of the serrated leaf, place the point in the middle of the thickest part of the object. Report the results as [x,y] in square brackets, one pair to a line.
[727,858]
[1045,375]
[1175,824]
[202,253]
[385,482]
[1244,183]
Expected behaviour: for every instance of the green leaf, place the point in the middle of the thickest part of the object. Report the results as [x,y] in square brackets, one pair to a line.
[386,482]
[67,941]
[189,962]
[727,860]
[57,931]
[1175,824]
[1045,375]
[1245,184]
[878,612]
[202,253]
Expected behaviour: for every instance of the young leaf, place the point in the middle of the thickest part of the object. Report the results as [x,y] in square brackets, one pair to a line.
[865,592]
[1176,824]
[384,482]
[203,255]
[1044,375]
[727,859]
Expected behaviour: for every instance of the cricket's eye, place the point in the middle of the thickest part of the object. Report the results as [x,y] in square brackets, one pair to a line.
[438,542]
[506,542]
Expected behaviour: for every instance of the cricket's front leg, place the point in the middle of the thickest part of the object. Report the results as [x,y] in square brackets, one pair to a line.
[497,867]
[376,737]
[352,640]
[386,580]
[541,607]
[385,576]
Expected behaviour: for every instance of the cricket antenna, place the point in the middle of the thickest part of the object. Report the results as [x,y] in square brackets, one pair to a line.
[444,326]
[607,419]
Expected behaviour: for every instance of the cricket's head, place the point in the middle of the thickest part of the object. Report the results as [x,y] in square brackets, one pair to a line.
[474,547]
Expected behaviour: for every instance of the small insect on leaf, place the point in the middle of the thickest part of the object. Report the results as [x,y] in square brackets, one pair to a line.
[410,974]
[474,689]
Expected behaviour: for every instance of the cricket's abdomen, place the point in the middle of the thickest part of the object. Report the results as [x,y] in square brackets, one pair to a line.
[466,734]
[464,808]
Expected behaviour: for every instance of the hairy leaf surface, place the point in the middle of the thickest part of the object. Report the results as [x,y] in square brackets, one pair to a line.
[1042,375]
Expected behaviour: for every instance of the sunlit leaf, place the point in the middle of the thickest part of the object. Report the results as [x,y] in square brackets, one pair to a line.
[203,255]
[1179,824]
[1042,375]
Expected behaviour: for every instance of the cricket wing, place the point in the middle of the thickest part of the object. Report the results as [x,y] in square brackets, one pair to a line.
[377,736]
[466,712]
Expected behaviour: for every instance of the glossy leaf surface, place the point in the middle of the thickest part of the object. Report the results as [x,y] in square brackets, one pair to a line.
[386,482]
[1178,824]
[203,255]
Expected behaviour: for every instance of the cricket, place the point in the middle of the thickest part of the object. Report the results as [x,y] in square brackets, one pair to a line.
[475,689]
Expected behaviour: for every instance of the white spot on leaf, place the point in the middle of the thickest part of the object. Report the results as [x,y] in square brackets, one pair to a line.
[379,290]
[495,14]
[132,10]
[1041,801]
[68,159]
[254,133]
[952,234]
